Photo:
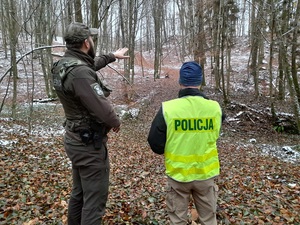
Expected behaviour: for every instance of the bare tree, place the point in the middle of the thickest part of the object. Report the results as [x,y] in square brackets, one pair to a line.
[44,35]
[272,23]
[182,18]
[293,79]
[133,6]
[216,37]
[229,12]
[12,30]
[282,56]
[193,28]
[255,43]
[198,43]
[99,19]
[78,11]
[295,52]
[3,28]
[157,16]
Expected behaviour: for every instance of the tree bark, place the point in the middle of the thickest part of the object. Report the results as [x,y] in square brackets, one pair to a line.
[78,12]
[157,16]
[294,52]
[254,46]
[13,30]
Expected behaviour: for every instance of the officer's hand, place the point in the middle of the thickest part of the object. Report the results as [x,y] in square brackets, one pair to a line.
[116,129]
[119,54]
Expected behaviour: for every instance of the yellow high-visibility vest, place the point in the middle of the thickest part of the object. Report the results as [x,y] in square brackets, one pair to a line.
[193,127]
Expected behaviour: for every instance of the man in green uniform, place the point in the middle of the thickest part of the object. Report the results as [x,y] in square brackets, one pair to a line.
[185,130]
[89,117]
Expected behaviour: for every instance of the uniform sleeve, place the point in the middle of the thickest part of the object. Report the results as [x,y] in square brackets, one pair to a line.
[103,60]
[223,116]
[158,133]
[90,94]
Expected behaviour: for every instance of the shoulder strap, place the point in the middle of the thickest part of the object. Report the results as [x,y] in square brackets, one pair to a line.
[61,68]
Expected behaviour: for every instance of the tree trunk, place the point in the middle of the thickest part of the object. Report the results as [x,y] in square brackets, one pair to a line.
[124,35]
[94,11]
[157,16]
[254,47]
[283,49]
[70,12]
[3,30]
[78,12]
[216,43]
[181,9]
[13,29]
[295,44]
[293,78]
[198,48]
[271,55]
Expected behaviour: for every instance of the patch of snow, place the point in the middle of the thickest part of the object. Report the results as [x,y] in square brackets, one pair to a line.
[285,153]
[230,119]
[134,112]
[292,185]
[5,142]
[123,111]
[239,113]
[58,40]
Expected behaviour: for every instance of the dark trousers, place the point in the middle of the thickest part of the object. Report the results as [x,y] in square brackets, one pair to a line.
[90,185]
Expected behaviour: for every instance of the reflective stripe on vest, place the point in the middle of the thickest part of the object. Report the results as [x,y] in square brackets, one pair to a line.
[193,127]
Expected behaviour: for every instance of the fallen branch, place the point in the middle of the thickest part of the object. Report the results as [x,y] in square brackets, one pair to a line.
[45,100]
[281,122]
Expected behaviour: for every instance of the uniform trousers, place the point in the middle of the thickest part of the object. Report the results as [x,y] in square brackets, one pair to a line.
[90,173]
[204,194]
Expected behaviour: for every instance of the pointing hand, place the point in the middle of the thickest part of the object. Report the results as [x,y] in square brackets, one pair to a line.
[119,54]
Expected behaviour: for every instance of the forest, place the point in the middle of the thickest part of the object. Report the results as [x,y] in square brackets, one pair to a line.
[250,54]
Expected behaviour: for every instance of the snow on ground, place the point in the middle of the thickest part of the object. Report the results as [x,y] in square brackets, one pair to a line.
[171,65]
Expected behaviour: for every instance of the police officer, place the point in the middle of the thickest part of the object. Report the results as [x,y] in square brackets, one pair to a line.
[185,130]
[89,117]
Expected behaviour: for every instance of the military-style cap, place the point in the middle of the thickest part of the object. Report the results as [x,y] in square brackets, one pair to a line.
[78,32]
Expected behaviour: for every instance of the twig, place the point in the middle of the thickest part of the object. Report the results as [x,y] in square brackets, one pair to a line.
[27,53]
[120,75]
[124,79]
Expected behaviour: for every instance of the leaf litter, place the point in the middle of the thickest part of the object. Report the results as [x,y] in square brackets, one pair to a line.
[257,184]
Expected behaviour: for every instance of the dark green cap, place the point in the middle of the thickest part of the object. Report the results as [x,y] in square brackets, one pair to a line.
[78,32]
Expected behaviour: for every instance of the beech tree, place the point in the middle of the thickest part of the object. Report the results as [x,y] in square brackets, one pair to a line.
[196,30]
[157,16]
[12,28]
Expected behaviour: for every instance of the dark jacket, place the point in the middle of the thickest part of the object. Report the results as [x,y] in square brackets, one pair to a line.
[82,96]
[158,132]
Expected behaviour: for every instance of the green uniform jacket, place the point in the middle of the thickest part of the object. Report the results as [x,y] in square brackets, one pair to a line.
[83,96]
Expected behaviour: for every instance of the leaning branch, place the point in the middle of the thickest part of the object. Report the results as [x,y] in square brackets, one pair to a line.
[27,53]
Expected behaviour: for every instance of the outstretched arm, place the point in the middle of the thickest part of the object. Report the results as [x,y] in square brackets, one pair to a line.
[103,60]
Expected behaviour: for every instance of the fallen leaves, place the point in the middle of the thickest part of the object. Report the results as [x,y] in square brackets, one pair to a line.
[255,188]
[36,182]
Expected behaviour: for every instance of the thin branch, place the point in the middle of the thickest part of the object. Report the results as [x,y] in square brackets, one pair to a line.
[27,53]
[127,81]
[120,74]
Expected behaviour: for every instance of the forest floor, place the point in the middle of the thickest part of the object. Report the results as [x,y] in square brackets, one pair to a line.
[259,181]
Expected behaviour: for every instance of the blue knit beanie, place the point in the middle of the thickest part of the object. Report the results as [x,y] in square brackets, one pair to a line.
[190,74]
